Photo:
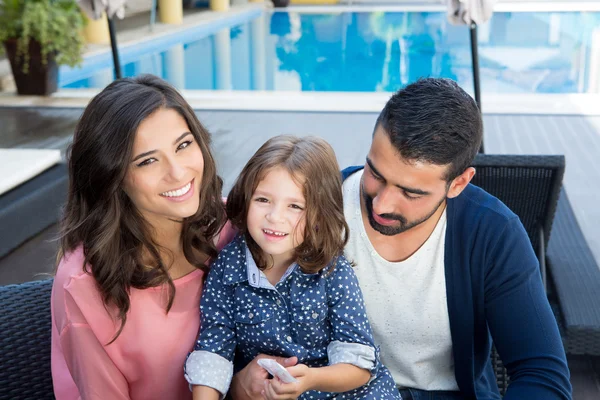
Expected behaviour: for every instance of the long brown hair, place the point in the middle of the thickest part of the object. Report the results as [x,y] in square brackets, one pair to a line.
[99,216]
[312,164]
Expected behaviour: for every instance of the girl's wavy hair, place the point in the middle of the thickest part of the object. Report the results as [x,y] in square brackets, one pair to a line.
[312,164]
[101,218]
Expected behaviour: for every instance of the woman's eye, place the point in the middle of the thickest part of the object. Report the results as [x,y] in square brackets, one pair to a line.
[147,162]
[184,145]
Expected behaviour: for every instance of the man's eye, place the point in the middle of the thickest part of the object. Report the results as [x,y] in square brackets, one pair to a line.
[376,177]
[411,196]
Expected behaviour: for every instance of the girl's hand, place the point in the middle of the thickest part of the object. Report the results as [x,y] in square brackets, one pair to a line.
[248,383]
[275,389]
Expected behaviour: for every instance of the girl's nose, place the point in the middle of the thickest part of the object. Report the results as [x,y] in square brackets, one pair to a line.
[274,215]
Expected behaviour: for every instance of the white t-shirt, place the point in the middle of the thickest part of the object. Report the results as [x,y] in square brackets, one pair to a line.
[405,302]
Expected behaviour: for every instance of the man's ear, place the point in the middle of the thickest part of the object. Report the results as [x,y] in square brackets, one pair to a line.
[460,182]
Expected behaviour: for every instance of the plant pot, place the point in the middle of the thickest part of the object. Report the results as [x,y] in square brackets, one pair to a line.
[40,79]
[281,3]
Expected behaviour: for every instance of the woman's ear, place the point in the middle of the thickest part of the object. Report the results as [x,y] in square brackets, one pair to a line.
[460,182]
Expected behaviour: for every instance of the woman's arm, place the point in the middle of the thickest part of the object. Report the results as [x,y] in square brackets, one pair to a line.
[87,361]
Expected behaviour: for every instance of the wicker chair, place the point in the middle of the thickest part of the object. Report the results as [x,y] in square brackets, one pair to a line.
[25,330]
[576,277]
[529,186]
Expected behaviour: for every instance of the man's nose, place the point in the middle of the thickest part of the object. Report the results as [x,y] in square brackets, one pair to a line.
[383,202]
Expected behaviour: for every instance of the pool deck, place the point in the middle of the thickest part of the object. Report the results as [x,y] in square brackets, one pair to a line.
[237,134]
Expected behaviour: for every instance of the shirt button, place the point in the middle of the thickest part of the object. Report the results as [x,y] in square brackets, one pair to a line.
[278,302]
[250,315]
[315,315]
[289,339]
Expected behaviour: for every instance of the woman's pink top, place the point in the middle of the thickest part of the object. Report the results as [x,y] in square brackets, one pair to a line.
[146,361]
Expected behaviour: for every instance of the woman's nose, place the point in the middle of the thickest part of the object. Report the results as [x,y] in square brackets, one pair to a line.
[176,170]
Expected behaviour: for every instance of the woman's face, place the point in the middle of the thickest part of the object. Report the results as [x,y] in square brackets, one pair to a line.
[165,172]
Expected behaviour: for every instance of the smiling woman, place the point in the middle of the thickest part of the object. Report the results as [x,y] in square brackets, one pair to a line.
[142,221]
[164,176]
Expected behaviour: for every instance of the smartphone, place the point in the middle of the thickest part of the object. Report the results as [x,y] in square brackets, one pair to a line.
[276,369]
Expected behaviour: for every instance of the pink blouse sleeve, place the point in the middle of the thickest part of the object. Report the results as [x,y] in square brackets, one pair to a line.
[91,368]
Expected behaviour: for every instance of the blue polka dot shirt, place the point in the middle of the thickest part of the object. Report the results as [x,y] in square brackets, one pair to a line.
[320,318]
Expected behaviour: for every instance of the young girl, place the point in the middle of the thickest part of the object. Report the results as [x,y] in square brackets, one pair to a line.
[283,287]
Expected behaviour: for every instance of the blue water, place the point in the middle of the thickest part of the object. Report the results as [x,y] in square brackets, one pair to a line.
[376,51]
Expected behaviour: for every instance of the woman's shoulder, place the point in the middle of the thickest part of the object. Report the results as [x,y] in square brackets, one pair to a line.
[226,235]
[73,275]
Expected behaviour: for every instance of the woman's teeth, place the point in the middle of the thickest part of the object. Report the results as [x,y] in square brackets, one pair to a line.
[178,192]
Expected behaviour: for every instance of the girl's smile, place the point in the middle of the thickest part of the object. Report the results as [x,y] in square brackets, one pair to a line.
[276,216]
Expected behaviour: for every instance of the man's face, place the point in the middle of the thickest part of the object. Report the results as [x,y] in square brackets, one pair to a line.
[399,194]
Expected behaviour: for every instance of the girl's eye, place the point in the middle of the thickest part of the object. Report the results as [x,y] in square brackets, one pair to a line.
[296,207]
[183,145]
[147,162]
[261,200]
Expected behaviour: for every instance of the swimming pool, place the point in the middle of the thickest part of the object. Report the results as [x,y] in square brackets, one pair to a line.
[520,52]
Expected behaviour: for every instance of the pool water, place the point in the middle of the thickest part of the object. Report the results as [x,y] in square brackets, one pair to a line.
[378,51]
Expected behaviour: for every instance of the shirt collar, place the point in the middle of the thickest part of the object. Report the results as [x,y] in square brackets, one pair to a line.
[234,272]
[257,278]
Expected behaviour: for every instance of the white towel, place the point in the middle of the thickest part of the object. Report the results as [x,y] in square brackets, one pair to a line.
[94,8]
[462,12]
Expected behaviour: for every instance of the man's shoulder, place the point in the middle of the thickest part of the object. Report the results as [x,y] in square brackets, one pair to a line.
[475,204]
[346,172]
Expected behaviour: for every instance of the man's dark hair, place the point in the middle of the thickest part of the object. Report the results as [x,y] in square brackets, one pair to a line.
[435,121]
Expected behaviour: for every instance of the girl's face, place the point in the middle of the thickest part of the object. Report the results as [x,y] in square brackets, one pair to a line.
[165,173]
[276,217]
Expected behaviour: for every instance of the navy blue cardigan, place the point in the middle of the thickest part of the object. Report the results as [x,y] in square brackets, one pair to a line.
[495,292]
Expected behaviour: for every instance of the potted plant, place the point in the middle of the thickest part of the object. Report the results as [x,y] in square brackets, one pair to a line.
[38,36]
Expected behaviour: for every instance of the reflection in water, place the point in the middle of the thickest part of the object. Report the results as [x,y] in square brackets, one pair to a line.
[377,51]
[222,47]
[174,60]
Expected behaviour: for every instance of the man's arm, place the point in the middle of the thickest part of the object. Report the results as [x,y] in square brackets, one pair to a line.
[521,321]
[248,383]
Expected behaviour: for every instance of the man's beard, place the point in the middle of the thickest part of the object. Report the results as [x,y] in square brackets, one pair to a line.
[404,224]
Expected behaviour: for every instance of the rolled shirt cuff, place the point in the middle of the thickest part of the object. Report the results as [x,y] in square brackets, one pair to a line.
[209,369]
[357,354]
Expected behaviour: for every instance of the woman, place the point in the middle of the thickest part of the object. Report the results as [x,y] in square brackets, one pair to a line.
[141,223]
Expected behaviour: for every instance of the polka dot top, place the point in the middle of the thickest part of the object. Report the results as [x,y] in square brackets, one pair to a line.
[320,318]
